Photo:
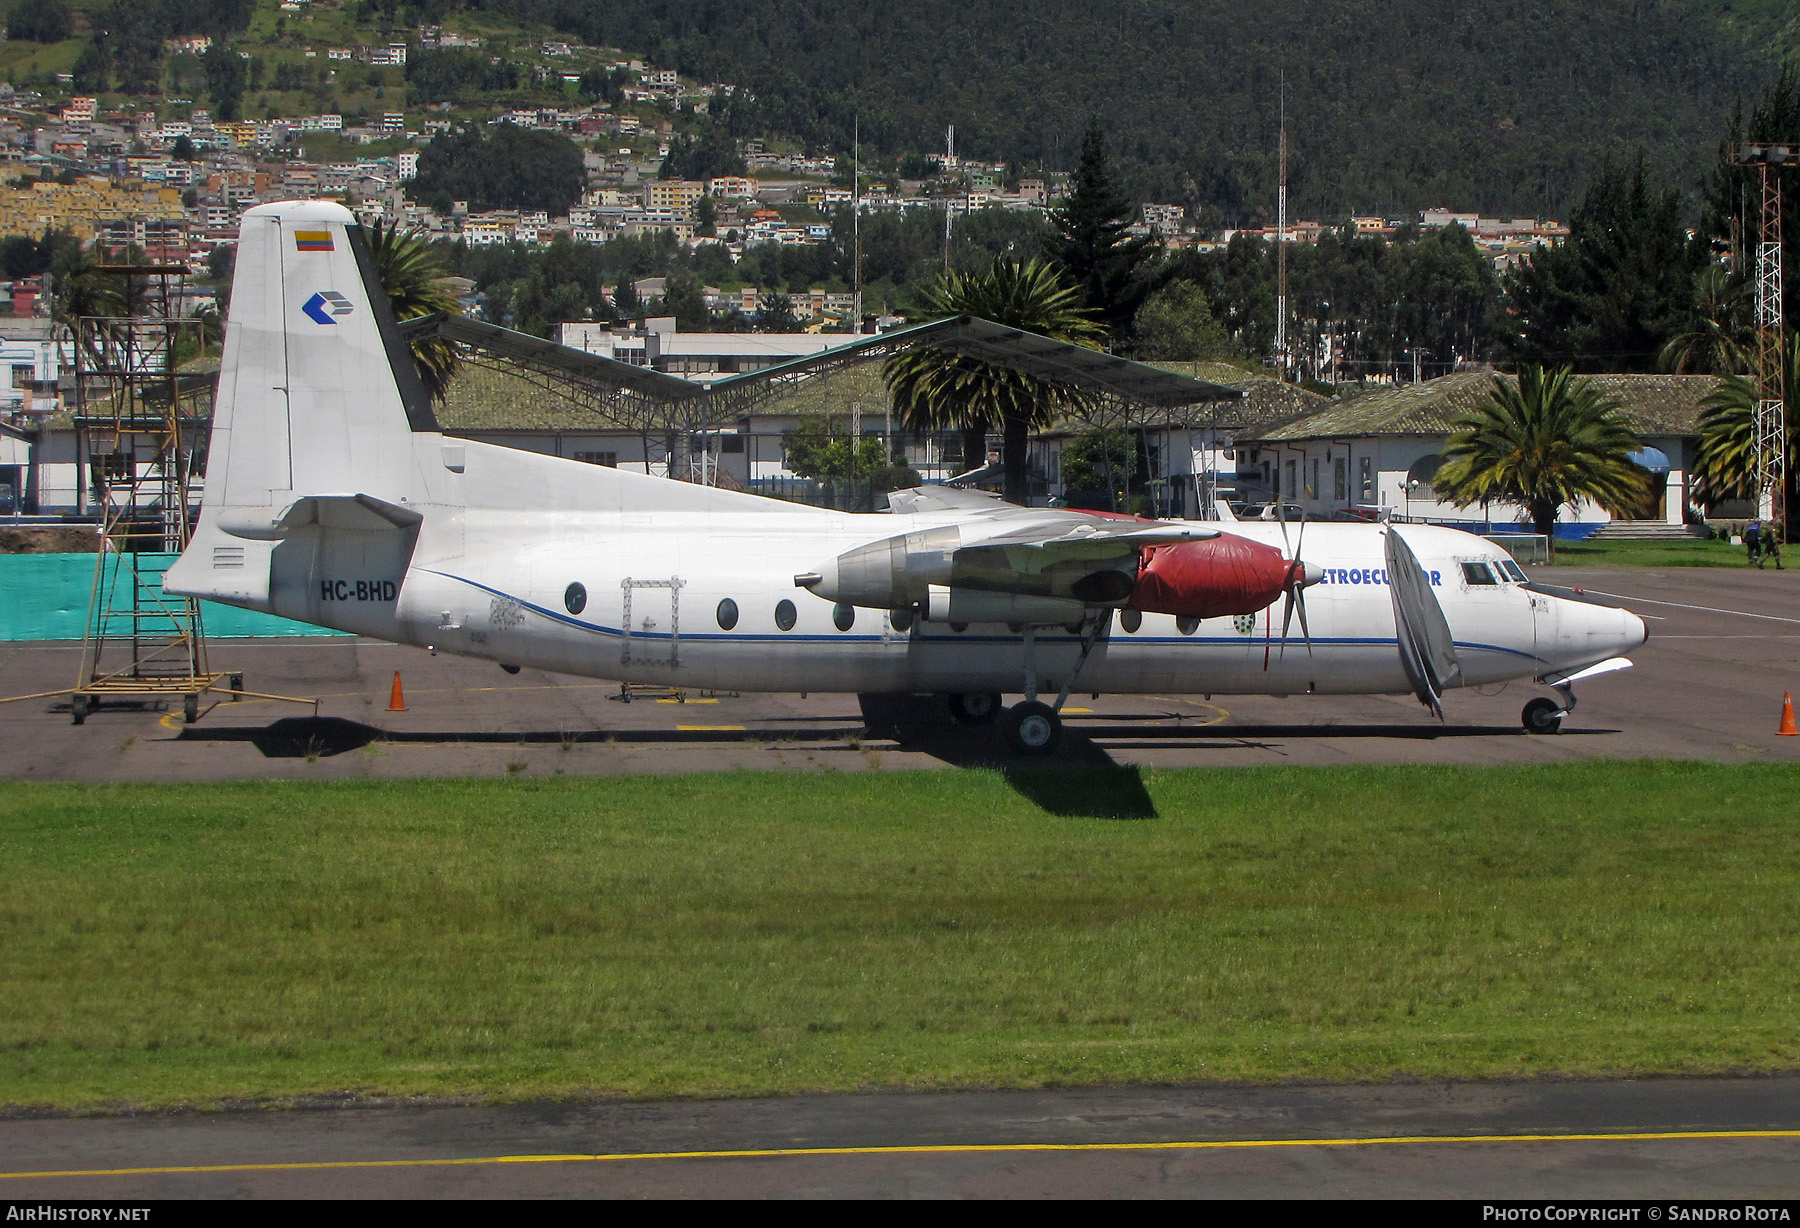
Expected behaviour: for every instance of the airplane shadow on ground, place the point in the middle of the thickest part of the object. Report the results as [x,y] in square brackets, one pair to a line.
[1083,781]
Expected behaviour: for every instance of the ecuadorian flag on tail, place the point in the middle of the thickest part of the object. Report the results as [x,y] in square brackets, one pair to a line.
[313,240]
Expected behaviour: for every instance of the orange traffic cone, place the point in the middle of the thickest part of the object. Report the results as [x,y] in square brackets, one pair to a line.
[1787,729]
[397,697]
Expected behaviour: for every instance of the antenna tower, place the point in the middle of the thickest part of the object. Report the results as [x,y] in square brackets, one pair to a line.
[856,220]
[1769,426]
[1281,311]
[949,162]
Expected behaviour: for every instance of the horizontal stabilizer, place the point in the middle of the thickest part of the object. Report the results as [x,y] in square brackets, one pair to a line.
[358,513]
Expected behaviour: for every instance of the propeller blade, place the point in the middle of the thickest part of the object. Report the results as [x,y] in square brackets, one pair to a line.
[1287,616]
[1281,516]
[1300,601]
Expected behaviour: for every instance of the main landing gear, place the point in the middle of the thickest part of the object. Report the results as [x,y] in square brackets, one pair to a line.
[974,708]
[1031,726]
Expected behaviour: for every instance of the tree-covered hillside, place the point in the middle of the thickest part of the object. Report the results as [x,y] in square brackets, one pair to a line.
[1394,104]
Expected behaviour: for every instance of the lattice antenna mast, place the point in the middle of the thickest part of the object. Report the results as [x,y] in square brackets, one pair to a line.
[1769,425]
[1281,308]
[949,164]
[856,220]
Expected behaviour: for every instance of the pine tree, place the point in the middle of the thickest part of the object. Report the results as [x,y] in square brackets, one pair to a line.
[1105,264]
[1613,295]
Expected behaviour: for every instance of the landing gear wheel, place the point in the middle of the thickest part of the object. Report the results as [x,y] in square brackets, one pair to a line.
[1542,716]
[236,684]
[78,708]
[190,709]
[974,708]
[1033,728]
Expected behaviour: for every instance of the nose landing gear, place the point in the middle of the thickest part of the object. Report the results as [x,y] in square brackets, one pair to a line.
[1542,715]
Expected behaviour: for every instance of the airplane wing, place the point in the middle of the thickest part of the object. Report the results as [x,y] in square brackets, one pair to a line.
[998,548]
[946,499]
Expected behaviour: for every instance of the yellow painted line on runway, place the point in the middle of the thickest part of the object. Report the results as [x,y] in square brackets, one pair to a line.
[687,701]
[1223,715]
[709,728]
[1078,711]
[770,1153]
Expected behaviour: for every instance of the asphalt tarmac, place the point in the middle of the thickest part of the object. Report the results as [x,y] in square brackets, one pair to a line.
[1724,645]
[1708,685]
[1737,1139]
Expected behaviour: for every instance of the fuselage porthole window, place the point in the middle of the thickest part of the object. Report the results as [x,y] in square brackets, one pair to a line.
[575,597]
[728,614]
[1130,621]
[843,616]
[1478,573]
[1187,625]
[785,615]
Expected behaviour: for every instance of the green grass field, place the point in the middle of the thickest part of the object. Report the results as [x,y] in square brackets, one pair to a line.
[763,933]
[1691,553]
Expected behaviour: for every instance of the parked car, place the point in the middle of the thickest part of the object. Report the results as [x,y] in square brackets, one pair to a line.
[1292,512]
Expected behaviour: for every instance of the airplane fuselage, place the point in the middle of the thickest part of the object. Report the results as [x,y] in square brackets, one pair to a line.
[707,599]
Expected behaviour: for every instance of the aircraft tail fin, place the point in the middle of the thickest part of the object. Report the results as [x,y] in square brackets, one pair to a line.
[317,393]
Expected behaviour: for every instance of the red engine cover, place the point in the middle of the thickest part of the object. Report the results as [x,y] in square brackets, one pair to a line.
[1222,575]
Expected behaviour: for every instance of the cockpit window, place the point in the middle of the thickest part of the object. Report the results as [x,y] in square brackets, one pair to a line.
[1478,573]
[1513,571]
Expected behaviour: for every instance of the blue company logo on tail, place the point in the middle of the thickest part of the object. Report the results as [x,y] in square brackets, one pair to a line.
[324,306]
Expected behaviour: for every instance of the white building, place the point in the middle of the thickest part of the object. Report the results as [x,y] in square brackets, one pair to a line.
[1379,452]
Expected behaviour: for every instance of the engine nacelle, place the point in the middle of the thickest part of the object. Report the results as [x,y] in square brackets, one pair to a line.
[900,571]
[1223,575]
[888,574]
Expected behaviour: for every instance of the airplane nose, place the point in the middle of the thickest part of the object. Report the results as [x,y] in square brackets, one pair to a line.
[1589,631]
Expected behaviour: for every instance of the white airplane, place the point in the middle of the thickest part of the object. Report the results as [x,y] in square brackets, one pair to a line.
[332,498]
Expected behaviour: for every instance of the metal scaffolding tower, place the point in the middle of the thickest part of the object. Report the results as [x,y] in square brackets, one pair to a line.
[140,427]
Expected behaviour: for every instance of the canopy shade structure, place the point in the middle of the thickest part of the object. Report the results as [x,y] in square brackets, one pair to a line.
[639,396]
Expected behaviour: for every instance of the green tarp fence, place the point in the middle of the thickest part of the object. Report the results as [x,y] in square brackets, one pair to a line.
[45,597]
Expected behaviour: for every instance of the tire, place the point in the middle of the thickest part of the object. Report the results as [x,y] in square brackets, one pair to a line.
[1033,728]
[975,708]
[190,709]
[78,709]
[1542,716]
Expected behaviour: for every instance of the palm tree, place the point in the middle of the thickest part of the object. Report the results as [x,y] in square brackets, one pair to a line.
[1714,340]
[936,389]
[412,272]
[1725,461]
[1540,441]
